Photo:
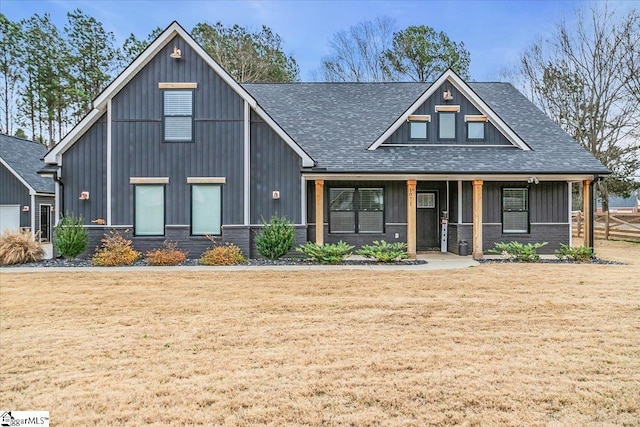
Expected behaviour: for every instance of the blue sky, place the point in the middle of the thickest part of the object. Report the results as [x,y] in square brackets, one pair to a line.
[494,32]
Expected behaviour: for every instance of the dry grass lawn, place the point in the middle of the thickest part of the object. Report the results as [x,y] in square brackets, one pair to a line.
[514,345]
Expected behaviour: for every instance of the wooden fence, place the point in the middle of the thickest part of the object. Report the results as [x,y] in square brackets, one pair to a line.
[619,226]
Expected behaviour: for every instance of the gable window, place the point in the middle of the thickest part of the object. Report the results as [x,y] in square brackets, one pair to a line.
[515,210]
[475,131]
[206,209]
[446,125]
[148,213]
[418,130]
[356,210]
[178,115]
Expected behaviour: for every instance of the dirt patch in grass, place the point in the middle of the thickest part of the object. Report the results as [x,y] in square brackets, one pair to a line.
[490,345]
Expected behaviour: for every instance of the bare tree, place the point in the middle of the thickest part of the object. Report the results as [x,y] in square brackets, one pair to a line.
[358,53]
[585,77]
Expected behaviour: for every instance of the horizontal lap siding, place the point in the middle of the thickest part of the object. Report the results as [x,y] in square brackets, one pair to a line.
[139,151]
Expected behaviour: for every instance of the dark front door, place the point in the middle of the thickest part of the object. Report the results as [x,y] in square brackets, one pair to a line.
[45,222]
[427,221]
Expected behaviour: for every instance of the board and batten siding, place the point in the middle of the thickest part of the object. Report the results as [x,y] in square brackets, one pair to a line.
[84,168]
[13,192]
[492,135]
[274,167]
[138,149]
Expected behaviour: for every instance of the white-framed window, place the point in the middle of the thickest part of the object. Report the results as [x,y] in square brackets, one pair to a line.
[178,115]
[356,210]
[426,201]
[206,209]
[148,213]
[515,210]
[447,125]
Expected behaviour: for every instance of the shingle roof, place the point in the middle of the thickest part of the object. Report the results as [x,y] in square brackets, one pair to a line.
[336,122]
[24,157]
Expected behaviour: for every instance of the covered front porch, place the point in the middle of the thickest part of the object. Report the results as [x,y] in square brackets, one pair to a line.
[438,212]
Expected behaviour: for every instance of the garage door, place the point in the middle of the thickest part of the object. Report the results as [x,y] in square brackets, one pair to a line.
[9,217]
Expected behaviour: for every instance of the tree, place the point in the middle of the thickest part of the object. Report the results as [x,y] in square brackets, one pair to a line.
[358,53]
[586,78]
[421,54]
[10,49]
[132,47]
[93,57]
[247,56]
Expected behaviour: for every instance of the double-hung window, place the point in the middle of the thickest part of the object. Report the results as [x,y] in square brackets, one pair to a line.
[356,210]
[178,115]
[515,210]
[206,209]
[148,214]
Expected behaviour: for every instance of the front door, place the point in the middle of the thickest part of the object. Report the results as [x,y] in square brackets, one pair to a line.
[45,223]
[427,221]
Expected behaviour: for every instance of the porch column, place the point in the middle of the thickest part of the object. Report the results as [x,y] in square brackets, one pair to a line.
[411,218]
[477,219]
[319,212]
[587,211]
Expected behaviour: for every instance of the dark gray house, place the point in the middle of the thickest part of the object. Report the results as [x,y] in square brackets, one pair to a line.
[175,149]
[26,199]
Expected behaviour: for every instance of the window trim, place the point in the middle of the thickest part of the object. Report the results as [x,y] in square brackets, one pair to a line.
[164,210]
[164,116]
[356,210]
[484,130]
[528,210]
[192,185]
[455,125]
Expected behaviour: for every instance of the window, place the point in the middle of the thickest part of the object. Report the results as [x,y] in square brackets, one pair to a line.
[426,200]
[148,214]
[447,125]
[475,131]
[418,130]
[178,115]
[356,210]
[515,210]
[206,209]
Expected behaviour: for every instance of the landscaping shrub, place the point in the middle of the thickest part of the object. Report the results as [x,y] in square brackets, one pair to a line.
[18,247]
[515,251]
[326,254]
[227,254]
[70,237]
[115,251]
[382,251]
[276,238]
[578,253]
[169,254]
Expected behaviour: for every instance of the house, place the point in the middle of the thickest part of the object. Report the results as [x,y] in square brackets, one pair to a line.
[26,199]
[175,149]
[619,204]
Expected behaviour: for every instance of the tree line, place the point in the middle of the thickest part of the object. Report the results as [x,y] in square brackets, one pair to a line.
[585,76]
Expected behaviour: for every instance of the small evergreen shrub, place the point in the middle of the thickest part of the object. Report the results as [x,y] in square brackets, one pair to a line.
[227,254]
[19,247]
[577,253]
[70,237]
[115,251]
[169,254]
[276,238]
[382,251]
[515,251]
[326,254]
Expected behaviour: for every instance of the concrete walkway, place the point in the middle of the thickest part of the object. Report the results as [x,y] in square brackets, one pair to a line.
[435,261]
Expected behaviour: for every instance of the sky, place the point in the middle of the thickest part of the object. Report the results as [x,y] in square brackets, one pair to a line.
[494,32]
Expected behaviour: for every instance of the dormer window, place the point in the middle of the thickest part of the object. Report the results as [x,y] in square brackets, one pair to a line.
[419,127]
[447,121]
[476,127]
